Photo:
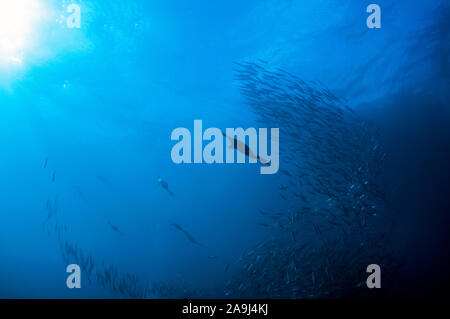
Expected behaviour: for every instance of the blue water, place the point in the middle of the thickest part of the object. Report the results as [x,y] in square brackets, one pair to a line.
[100,102]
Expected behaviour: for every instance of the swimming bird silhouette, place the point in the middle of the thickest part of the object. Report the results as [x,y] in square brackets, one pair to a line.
[165,185]
[243,148]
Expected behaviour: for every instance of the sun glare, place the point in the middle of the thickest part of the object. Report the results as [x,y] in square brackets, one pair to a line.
[18,20]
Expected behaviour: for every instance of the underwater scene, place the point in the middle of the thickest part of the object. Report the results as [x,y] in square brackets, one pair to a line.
[292,149]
